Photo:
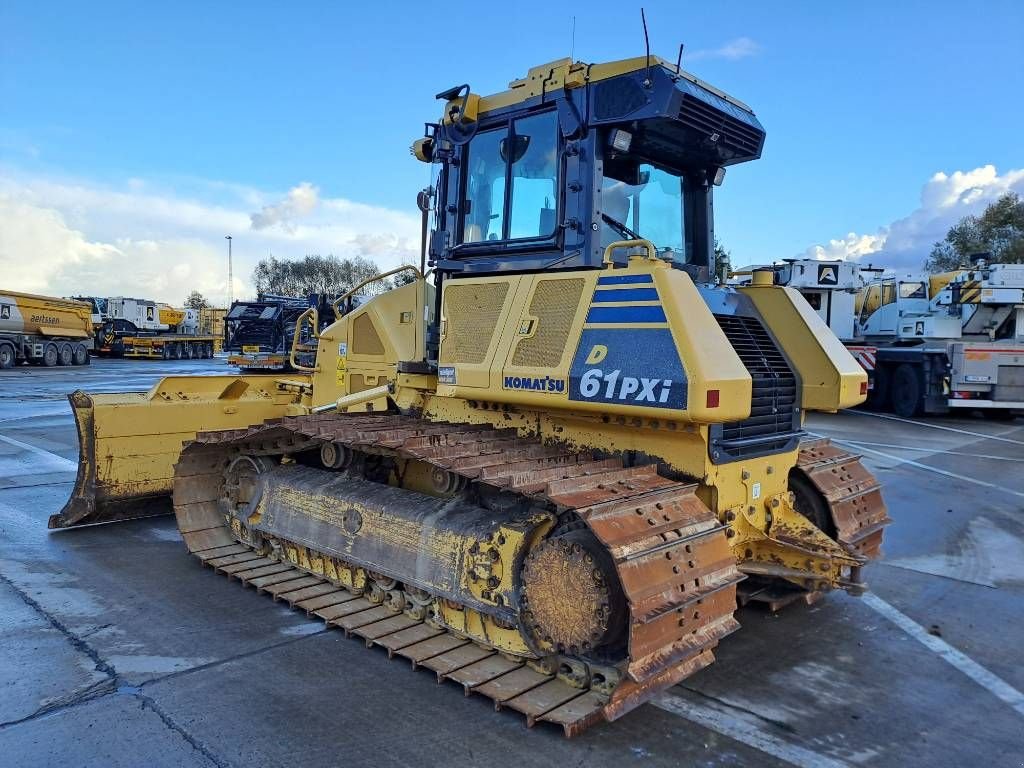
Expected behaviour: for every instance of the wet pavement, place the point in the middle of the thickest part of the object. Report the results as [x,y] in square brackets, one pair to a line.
[121,650]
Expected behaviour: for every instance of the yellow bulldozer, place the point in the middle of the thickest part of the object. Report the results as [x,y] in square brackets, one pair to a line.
[547,467]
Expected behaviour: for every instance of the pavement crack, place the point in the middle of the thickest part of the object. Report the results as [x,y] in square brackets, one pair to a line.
[97,690]
[229,659]
[94,630]
[167,720]
[76,641]
[781,724]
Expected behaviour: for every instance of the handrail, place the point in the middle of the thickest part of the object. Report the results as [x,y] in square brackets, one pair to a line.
[337,302]
[311,312]
[652,252]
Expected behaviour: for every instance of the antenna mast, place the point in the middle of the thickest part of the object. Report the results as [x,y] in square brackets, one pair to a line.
[647,48]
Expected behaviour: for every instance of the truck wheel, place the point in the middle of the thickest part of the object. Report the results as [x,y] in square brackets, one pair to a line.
[166,351]
[81,355]
[7,356]
[67,354]
[51,356]
[176,351]
[187,349]
[906,390]
[208,351]
[878,400]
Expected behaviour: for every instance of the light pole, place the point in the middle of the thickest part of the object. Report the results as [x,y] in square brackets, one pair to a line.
[231,281]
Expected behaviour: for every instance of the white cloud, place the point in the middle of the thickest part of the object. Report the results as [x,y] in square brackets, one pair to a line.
[739,48]
[63,237]
[945,199]
[298,203]
[852,246]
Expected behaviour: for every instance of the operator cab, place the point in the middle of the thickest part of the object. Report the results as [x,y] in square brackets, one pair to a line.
[575,157]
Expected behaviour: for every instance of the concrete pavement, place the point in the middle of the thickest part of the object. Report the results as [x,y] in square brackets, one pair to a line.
[120,649]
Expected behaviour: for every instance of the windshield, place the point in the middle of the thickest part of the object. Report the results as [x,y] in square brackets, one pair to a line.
[651,208]
[913,291]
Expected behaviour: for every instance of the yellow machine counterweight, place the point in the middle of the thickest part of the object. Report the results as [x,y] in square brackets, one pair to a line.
[546,470]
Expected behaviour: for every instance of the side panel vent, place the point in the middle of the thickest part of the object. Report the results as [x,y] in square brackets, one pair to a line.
[774,424]
[554,304]
[365,340]
[617,98]
[471,312]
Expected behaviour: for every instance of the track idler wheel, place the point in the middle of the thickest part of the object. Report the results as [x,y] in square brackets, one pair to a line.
[241,486]
[445,482]
[335,455]
[572,600]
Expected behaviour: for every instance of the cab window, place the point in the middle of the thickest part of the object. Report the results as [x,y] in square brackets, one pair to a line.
[534,176]
[512,181]
[888,292]
[814,299]
[913,291]
[648,201]
[484,217]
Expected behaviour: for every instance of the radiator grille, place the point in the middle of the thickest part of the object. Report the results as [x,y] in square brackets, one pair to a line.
[554,305]
[365,340]
[472,312]
[773,396]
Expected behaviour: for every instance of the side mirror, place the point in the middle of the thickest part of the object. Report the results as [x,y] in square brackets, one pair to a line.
[519,146]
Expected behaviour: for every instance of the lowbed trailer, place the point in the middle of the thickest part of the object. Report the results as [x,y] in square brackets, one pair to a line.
[165,347]
[43,330]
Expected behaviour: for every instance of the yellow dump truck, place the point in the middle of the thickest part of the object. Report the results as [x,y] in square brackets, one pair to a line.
[43,330]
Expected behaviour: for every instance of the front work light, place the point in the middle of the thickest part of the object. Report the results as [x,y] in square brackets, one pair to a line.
[620,140]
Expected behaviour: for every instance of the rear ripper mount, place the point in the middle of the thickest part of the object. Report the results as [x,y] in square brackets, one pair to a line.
[581,590]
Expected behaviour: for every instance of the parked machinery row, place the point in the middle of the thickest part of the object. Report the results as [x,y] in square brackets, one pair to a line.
[930,343]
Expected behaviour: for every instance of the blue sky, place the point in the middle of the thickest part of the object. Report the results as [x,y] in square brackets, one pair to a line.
[229,105]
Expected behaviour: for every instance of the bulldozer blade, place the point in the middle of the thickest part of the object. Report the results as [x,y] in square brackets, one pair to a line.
[128,443]
[90,501]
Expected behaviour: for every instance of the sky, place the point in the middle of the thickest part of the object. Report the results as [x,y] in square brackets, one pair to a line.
[135,136]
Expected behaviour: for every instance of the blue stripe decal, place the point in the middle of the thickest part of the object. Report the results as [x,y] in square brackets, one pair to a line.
[626,315]
[624,279]
[626,294]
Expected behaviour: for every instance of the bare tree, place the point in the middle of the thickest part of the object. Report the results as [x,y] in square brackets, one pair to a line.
[196,300]
[326,275]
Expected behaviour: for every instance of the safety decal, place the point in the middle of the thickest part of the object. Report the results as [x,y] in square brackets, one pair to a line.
[446,375]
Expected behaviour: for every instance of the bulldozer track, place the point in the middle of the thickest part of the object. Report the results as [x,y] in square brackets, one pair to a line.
[852,492]
[669,550]
[854,498]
